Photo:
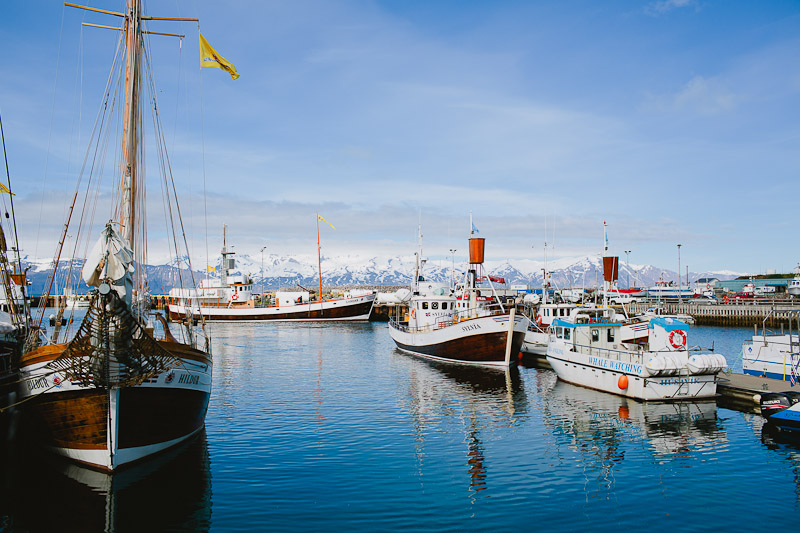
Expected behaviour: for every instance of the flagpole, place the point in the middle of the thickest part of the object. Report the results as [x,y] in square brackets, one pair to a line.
[319,261]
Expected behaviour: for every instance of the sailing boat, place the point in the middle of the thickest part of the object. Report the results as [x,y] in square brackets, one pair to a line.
[117,392]
[231,298]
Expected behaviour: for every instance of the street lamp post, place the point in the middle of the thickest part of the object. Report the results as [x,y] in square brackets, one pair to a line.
[628,267]
[262,274]
[680,299]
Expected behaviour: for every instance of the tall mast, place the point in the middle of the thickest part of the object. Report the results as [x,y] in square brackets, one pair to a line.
[133,40]
[319,261]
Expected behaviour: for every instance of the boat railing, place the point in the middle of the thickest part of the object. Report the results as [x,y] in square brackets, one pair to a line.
[625,356]
[450,319]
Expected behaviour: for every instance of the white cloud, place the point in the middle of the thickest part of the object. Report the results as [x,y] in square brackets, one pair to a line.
[665,6]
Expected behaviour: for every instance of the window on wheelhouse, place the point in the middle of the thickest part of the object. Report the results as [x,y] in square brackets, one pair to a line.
[595,335]
[610,335]
[566,334]
[424,305]
[560,333]
[434,305]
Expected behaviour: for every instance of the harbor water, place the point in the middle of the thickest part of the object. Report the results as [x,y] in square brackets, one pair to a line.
[325,427]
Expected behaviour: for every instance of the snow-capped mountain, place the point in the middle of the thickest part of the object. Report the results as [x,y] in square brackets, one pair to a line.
[353,270]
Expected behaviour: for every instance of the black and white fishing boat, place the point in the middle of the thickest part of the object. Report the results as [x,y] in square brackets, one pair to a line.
[462,325]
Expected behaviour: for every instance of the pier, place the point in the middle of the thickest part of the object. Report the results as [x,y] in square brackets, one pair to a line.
[769,313]
[742,392]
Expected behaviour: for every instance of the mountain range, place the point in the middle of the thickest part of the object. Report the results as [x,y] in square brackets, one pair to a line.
[349,271]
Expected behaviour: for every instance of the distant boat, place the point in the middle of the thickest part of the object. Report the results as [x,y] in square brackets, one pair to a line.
[231,298]
[664,289]
[468,326]
[660,311]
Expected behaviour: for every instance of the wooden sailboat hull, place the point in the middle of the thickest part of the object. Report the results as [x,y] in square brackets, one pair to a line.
[351,309]
[480,341]
[106,428]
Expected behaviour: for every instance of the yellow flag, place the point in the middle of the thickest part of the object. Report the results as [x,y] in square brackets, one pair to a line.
[319,217]
[211,269]
[211,58]
[3,188]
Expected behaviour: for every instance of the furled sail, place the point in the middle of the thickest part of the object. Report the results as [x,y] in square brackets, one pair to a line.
[111,260]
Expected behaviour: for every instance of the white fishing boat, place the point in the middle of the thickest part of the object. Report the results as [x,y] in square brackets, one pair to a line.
[121,389]
[231,298]
[586,350]
[793,286]
[465,326]
[774,355]
[632,329]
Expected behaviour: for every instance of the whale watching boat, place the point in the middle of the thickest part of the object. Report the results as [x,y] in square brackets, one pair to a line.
[460,326]
[231,298]
[596,349]
[586,350]
[119,391]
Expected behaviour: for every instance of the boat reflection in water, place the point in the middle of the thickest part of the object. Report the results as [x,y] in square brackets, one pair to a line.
[602,428]
[480,399]
[788,446]
[170,491]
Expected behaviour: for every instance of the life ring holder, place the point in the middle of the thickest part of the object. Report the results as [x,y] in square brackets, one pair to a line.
[677,338]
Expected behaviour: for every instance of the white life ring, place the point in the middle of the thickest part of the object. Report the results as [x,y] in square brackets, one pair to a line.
[677,338]
[234,296]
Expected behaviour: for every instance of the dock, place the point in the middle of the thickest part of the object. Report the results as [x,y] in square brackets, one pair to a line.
[772,314]
[742,392]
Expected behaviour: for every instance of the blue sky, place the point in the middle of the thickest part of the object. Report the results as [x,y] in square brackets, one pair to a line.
[673,121]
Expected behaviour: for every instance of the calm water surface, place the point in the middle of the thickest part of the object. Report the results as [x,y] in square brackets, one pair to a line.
[328,427]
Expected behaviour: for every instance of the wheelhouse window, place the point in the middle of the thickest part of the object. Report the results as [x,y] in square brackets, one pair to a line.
[560,333]
[567,333]
[595,335]
[610,335]
[434,305]
[424,305]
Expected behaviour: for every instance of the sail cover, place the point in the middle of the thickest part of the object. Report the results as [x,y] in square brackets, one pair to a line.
[111,259]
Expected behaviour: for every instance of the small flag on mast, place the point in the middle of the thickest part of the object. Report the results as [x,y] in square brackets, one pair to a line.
[211,58]
[211,269]
[319,217]
[3,188]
